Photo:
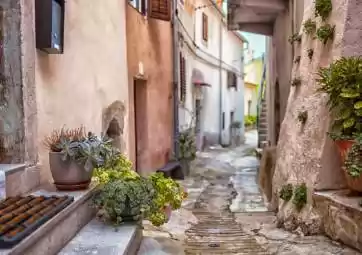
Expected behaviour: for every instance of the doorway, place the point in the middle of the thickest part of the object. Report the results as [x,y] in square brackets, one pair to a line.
[141,129]
[198,124]
[231,136]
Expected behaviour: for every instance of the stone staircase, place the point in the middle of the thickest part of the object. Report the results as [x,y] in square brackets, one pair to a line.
[263,124]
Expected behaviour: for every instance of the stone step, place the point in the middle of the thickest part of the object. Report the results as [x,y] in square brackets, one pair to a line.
[341,216]
[99,238]
[51,237]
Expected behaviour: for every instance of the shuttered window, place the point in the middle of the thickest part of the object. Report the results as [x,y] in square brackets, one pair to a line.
[182,79]
[205,31]
[160,9]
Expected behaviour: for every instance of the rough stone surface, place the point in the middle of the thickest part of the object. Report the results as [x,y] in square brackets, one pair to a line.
[225,214]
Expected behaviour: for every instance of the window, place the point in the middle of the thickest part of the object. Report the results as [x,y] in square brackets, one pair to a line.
[232,80]
[182,79]
[156,9]
[205,30]
[139,5]
[223,121]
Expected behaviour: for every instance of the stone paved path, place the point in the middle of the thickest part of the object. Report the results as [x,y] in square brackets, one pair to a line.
[225,214]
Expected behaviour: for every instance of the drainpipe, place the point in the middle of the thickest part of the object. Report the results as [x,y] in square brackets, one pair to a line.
[175,79]
[220,81]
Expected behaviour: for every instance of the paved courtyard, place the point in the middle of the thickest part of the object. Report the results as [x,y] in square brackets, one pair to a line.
[225,213]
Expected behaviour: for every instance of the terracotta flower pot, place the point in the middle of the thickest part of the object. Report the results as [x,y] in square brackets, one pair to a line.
[343,147]
[67,174]
[168,212]
[353,183]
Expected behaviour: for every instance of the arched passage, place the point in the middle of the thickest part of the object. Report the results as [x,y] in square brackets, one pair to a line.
[113,123]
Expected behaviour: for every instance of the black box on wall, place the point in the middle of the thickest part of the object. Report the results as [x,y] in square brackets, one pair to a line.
[49,25]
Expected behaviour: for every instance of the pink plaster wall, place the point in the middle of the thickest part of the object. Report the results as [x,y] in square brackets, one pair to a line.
[150,41]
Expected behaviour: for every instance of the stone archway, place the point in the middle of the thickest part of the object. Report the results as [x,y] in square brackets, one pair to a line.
[113,123]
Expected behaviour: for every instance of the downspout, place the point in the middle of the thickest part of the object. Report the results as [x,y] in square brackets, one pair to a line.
[220,82]
[175,79]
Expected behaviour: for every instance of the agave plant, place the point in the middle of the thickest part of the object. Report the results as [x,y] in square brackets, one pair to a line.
[342,81]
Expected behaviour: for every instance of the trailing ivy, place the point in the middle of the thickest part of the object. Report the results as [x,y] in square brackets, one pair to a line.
[300,196]
[295,38]
[325,33]
[302,117]
[310,53]
[286,192]
[296,82]
[309,27]
[353,162]
[323,8]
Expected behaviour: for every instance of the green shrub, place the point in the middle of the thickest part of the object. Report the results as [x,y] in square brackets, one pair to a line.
[353,162]
[323,8]
[250,120]
[286,192]
[325,33]
[309,26]
[300,196]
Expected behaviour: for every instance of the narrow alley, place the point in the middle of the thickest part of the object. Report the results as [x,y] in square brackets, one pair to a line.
[225,213]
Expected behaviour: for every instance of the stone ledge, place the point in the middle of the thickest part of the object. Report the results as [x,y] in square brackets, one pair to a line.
[341,216]
[98,238]
[55,233]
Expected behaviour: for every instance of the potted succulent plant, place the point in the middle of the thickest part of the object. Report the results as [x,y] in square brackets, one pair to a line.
[73,154]
[342,82]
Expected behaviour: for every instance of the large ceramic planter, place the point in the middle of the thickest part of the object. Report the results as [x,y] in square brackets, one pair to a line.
[353,183]
[67,174]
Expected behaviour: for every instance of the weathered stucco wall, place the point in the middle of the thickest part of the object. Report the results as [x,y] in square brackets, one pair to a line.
[150,41]
[306,154]
[76,87]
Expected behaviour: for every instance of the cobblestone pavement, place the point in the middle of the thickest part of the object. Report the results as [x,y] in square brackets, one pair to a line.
[225,214]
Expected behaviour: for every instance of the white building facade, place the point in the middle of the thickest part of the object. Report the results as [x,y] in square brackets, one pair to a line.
[211,73]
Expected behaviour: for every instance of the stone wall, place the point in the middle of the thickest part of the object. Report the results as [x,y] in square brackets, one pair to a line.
[305,153]
[11,94]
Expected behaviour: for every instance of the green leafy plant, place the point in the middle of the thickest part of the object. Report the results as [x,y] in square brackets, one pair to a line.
[295,38]
[286,192]
[187,144]
[300,196]
[236,124]
[323,8]
[88,150]
[168,193]
[297,60]
[325,33]
[342,82]
[353,162]
[125,199]
[309,26]
[302,117]
[249,120]
[310,53]
[297,81]
[116,175]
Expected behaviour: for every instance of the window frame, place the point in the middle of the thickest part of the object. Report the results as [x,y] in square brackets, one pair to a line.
[205,27]
[232,80]
[139,5]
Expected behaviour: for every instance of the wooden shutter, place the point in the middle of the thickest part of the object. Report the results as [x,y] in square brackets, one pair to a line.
[159,9]
[205,32]
[182,79]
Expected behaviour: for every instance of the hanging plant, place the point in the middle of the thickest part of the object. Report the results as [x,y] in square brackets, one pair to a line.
[302,117]
[286,192]
[295,38]
[323,8]
[296,82]
[300,196]
[310,53]
[297,60]
[325,32]
[309,26]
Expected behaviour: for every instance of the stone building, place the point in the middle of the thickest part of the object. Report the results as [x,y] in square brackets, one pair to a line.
[211,90]
[305,155]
